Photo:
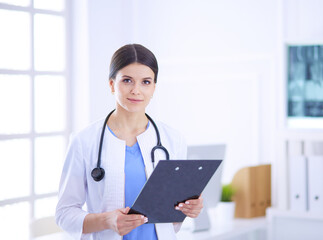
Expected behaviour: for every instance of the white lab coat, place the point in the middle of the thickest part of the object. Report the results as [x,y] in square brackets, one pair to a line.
[77,187]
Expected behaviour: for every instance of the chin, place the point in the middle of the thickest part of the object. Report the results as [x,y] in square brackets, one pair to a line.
[135,109]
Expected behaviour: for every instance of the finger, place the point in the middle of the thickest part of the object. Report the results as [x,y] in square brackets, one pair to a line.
[190,208]
[134,217]
[127,209]
[193,206]
[194,201]
[126,221]
[134,223]
[191,213]
[190,203]
[182,206]
[130,226]
[124,210]
[126,226]
[186,208]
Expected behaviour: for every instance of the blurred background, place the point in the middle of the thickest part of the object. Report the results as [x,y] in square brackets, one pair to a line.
[226,77]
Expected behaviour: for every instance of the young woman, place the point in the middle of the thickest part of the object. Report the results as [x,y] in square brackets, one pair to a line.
[110,189]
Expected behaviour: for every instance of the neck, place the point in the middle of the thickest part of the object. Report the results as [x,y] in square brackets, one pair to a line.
[127,122]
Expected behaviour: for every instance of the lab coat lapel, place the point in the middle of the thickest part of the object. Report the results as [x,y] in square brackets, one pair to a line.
[113,155]
[147,140]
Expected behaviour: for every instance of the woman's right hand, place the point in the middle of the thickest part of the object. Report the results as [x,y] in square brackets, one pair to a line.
[122,223]
[117,220]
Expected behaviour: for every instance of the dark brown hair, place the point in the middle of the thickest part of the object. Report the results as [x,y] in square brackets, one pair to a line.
[132,53]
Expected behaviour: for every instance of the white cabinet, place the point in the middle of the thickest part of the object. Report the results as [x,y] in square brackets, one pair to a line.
[287,225]
[298,184]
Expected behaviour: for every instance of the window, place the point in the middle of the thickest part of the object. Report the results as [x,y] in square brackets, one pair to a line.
[34,105]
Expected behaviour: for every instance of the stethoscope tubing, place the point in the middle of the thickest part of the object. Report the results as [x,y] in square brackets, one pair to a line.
[98,172]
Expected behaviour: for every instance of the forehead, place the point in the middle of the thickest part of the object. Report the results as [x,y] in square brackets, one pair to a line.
[136,70]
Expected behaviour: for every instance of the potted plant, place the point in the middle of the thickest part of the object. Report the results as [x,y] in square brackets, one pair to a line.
[227,193]
[227,205]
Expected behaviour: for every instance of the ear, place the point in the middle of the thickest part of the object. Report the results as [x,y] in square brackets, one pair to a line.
[111,84]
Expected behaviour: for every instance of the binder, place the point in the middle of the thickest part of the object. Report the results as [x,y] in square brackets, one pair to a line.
[314,153]
[315,180]
[298,184]
[297,177]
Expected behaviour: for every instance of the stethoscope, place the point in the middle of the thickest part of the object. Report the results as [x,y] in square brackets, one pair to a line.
[98,172]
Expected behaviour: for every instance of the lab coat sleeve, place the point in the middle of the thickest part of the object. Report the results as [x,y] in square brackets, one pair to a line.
[72,192]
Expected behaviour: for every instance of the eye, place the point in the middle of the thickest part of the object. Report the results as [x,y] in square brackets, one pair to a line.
[126,80]
[146,82]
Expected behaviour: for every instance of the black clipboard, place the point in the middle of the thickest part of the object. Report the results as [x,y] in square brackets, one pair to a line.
[173,182]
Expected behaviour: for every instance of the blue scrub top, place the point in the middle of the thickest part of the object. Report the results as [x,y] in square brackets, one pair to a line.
[135,179]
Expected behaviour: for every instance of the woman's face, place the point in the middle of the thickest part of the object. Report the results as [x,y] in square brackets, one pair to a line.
[133,87]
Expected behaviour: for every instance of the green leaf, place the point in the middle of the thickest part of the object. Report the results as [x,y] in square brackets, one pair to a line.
[227,193]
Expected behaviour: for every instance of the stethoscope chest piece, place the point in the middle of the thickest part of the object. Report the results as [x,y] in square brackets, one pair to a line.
[98,174]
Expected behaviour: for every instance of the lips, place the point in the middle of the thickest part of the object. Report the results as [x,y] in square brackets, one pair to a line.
[135,100]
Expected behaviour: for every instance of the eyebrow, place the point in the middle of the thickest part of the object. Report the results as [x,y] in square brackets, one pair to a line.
[126,76]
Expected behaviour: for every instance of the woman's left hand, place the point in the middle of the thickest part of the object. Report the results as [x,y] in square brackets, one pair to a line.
[191,207]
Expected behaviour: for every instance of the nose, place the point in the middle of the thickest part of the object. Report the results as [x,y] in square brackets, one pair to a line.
[135,89]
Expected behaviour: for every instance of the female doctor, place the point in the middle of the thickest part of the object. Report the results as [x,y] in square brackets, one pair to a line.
[125,159]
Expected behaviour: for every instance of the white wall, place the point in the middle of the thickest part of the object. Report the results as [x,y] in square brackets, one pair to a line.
[221,76]
[110,28]
[217,62]
[99,28]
